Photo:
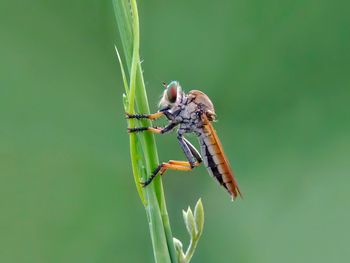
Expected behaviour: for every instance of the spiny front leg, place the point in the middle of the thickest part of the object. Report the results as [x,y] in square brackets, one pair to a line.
[145,116]
[141,129]
[172,165]
[157,130]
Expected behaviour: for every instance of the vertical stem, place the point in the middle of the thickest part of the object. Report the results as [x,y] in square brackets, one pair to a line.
[157,215]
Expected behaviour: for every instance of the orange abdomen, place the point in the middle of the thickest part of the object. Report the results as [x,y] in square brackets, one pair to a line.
[216,161]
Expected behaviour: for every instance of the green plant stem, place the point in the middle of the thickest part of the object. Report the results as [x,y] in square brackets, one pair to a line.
[190,250]
[155,206]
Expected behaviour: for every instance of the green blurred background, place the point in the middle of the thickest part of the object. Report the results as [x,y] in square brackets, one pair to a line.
[278,74]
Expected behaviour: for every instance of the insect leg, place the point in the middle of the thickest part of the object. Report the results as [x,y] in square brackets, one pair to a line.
[186,149]
[184,163]
[157,130]
[193,150]
[145,116]
[140,129]
[172,165]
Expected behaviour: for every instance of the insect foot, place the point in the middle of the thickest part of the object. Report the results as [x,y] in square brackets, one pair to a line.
[147,182]
[136,116]
[153,175]
[139,129]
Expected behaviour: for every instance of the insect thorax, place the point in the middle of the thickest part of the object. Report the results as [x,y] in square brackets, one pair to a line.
[189,117]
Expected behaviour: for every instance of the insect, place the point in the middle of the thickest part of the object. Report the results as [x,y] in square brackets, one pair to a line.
[192,113]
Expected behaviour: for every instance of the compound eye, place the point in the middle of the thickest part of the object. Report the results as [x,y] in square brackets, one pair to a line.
[172,92]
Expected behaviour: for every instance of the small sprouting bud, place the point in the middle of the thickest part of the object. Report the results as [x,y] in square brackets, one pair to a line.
[194,225]
[178,249]
[177,244]
[199,217]
[189,222]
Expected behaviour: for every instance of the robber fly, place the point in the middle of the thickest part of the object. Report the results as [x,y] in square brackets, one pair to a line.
[193,113]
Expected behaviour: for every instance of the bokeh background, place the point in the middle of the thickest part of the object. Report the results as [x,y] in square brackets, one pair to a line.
[278,74]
